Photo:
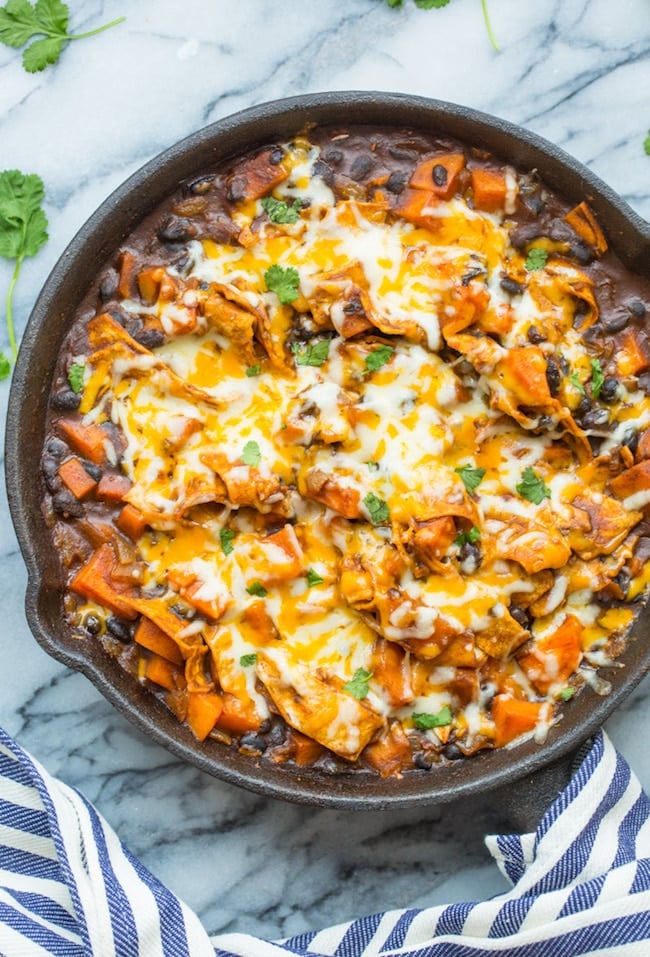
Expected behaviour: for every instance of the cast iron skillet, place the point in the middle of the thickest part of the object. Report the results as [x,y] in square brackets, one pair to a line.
[54,310]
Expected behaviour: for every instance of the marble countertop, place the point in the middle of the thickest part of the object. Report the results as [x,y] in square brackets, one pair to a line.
[575,71]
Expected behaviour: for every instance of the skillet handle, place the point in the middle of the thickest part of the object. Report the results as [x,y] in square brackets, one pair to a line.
[524,802]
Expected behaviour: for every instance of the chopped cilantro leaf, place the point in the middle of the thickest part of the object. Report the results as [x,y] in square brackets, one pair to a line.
[253,371]
[377,508]
[257,589]
[424,721]
[283,282]
[251,454]
[358,686]
[226,536]
[373,466]
[472,536]
[378,358]
[76,376]
[566,693]
[536,259]
[533,487]
[597,378]
[575,381]
[471,477]
[280,211]
[646,144]
[313,578]
[314,354]
[247,660]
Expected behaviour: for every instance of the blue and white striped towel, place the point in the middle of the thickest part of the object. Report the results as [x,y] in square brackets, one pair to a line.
[581,883]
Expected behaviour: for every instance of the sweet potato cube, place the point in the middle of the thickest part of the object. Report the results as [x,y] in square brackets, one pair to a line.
[95,581]
[489,189]
[75,477]
[439,174]
[203,711]
[153,638]
[513,717]
[89,441]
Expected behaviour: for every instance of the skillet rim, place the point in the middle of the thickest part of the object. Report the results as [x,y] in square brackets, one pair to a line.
[91,247]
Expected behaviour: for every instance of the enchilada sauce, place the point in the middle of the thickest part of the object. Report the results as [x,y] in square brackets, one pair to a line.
[348,454]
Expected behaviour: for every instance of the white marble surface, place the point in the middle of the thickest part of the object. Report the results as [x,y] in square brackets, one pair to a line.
[576,71]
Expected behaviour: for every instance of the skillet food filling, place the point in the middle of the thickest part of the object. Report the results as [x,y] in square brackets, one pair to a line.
[348,457]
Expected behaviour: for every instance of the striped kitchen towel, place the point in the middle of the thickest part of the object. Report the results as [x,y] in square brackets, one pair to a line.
[581,883]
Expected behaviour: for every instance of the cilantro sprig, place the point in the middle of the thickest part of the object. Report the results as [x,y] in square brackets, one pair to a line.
[470,537]
[251,454]
[283,282]
[23,230]
[280,211]
[76,376]
[439,4]
[358,686]
[21,20]
[378,358]
[532,487]
[471,477]
[646,144]
[597,378]
[424,720]
[377,509]
[314,354]
[536,259]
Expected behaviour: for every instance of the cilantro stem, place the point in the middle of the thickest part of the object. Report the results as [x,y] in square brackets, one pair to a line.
[92,33]
[10,317]
[488,25]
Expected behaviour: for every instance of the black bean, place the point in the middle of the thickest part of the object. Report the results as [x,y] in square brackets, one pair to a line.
[511,286]
[52,482]
[92,624]
[354,307]
[325,172]
[535,204]
[65,401]
[253,741]
[422,761]
[277,734]
[95,471]
[134,326]
[439,174]
[623,581]
[333,156]
[564,366]
[535,336]
[397,181]
[176,230]
[361,166]
[637,308]
[615,321]
[201,185]
[237,188]
[553,375]
[56,447]
[631,440]
[609,390]
[66,505]
[584,406]
[119,629]
[595,419]
[150,338]
[276,156]
[453,752]
[108,285]
[521,616]
[643,382]
[582,253]
[403,153]
[469,551]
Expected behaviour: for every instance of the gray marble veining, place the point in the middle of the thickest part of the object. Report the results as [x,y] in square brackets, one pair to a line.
[575,71]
